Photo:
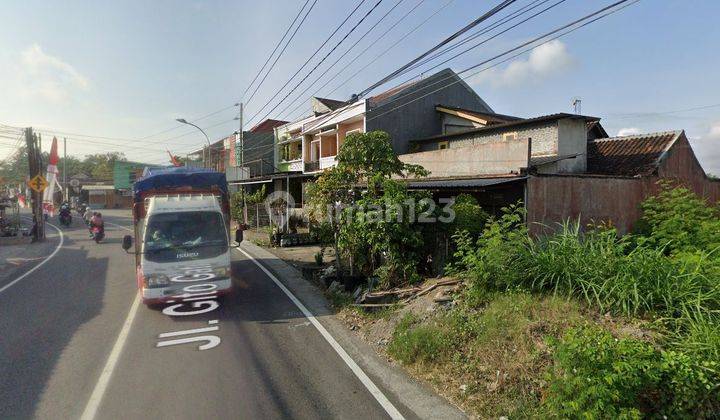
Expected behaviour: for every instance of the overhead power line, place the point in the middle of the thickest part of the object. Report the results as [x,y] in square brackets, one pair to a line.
[332,66]
[630,115]
[275,49]
[321,61]
[486,40]
[515,52]
[281,52]
[479,32]
[441,44]
[553,35]
[354,59]
[418,26]
[311,57]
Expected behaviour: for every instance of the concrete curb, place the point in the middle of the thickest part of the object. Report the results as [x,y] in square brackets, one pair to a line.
[408,394]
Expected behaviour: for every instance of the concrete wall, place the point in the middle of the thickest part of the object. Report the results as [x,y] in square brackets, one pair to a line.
[572,139]
[414,116]
[544,138]
[496,158]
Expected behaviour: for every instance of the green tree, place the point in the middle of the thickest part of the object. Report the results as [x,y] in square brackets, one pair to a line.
[100,166]
[373,229]
[14,170]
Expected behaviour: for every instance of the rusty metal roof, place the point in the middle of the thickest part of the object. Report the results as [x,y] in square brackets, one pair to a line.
[637,155]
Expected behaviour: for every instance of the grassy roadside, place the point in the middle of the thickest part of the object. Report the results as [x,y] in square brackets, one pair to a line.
[577,323]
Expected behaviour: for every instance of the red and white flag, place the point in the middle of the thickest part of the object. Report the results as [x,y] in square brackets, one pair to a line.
[52,179]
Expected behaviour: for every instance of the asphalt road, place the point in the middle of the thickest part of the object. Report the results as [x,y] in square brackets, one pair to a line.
[75,342]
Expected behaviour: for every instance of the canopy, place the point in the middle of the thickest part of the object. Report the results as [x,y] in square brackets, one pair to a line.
[177,177]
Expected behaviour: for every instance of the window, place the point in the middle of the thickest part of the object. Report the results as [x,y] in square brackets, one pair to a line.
[291,151]
[509,136]
[443,145]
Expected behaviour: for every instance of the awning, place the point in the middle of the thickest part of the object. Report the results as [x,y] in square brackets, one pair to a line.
[462,183]
[263,181]
[91,187]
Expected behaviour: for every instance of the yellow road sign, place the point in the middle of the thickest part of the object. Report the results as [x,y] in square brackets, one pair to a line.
[38,183]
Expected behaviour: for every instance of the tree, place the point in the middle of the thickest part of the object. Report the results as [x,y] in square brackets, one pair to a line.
[14,170]
[100,166]
[371,157]
[372,228]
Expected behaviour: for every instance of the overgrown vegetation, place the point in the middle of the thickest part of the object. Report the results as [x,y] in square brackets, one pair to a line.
[237,203]
[666,275]
[372,231]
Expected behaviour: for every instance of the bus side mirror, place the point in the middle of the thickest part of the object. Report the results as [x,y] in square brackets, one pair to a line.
[127,242]
[238,235]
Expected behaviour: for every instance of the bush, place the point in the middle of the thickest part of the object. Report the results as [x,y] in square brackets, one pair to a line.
[598,376]
[678,220]
[413,343]
[469,216]
[236,206]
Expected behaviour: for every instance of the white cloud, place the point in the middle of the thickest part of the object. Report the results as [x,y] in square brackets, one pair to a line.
[629,131]
[707,148]
[545,61]
[714,133]
[44,76]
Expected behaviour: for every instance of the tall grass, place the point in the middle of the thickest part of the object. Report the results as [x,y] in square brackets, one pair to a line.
[609,272]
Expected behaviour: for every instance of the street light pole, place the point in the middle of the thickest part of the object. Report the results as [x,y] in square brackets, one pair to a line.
[205,161]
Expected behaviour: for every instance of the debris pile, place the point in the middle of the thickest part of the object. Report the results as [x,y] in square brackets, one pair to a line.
[385,298]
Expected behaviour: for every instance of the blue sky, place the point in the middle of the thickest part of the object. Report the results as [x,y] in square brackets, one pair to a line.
[126,70]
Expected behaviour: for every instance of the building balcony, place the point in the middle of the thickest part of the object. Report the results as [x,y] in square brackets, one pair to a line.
[327,162]
[312,166]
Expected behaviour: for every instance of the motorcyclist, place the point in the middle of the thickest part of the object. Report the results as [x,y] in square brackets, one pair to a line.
[97,221]
[64,211]
[87,215]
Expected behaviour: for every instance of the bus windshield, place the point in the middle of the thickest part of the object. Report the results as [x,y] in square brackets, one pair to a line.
[184,230]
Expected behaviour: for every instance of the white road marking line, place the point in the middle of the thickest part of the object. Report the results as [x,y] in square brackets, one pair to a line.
[62,240]
[99,391]
[366,381]
[120,226]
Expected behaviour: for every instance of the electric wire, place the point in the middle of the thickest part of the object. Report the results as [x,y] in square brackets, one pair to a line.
[269,101]
[369,12]
[331,66]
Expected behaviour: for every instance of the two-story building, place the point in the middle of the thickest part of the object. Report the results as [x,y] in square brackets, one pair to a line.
[306,147]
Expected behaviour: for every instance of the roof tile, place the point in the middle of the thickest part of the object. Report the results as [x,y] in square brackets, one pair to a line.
[629,156]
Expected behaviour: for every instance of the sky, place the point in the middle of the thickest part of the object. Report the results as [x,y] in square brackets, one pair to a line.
[114,75]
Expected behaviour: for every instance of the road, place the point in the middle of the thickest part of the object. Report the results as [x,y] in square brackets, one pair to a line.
[75,342]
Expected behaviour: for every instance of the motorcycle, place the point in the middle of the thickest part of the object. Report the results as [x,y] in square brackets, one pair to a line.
[65,219]
[81,208]
[97,233]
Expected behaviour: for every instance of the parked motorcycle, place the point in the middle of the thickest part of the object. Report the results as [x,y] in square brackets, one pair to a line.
[65,219]
[98,234]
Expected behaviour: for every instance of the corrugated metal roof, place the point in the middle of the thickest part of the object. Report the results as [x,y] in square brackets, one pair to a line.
[462,183]
[637,155]
[501,126]
[544,160]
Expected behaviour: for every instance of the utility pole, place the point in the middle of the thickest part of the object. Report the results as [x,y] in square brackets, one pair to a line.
[242,164]
[66,193]
[31,141]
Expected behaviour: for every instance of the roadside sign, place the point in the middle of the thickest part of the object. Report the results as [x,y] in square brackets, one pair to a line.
[38,183]
[74,183]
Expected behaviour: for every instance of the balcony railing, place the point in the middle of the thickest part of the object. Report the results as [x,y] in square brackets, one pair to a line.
[312,166]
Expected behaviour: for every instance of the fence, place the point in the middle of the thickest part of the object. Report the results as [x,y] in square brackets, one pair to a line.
[257,217]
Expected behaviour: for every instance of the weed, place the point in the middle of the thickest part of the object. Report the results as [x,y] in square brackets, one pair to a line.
[599,376]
